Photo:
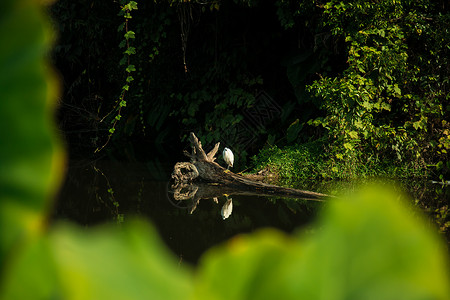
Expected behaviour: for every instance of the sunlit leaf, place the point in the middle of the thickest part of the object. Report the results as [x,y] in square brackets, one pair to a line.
[130,51]
[244,268]
[370,246]
[379,250]
[348,146]
[30,157]
[130,68]
[129,35]
[353,134]
[116,263]
[70,263]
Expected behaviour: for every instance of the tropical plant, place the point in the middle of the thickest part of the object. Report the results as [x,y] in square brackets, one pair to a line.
[367,246]
[128,36]
[389,103]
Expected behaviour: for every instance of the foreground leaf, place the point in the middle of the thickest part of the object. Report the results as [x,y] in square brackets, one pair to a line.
[116,263]
[370,246]
[31,159]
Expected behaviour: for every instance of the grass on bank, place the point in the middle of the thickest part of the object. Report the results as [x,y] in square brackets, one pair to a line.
[311,166]
[315,160]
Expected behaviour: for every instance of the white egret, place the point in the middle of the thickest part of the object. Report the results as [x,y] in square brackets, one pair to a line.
[227,208]
[228,157]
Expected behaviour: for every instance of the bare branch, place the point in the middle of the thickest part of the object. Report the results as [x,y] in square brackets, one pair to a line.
[212,153]
[197,147]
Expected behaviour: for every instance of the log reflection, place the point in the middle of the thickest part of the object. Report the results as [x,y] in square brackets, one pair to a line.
[188,195]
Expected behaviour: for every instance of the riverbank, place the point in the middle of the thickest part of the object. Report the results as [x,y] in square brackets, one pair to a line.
[310,167]
[313,161]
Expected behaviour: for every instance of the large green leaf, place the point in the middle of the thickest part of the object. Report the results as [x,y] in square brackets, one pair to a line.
[368,246]
[117,263]
[372,246]
[30,157]
[64,262]
[32,275]
[245,267]
[106,262]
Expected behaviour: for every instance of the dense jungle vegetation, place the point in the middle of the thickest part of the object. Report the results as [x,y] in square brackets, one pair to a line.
[380,247]
[328,89]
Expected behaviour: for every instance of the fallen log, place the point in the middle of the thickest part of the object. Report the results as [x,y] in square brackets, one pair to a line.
[202,167]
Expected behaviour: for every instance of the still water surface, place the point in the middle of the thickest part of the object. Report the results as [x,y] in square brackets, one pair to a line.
[106,191]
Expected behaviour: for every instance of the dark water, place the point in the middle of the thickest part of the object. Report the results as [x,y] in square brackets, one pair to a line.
[96,192]
[105,191]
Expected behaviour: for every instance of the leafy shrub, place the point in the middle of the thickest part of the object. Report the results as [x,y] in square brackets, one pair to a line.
[368,246]
[388,103]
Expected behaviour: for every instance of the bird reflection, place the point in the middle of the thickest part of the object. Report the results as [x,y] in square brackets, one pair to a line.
[227,208]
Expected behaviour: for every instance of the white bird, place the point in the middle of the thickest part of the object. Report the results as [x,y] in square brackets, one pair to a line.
[228,157]
[227,208]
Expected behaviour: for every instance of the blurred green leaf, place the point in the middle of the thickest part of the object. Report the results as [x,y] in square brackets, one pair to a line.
[116,263]
[33,274]
[30,158]
[245,267]
[370,246]
[68,263]
[379,250]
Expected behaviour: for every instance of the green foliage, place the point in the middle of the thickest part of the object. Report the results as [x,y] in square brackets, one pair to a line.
[225,106]
[388,103]
[88,267]
[129,35]
[112,202]
[315,160]
[369,75]
[380,249]
[64,261]
[293,131]
[373,256]
[31,161]
[293,163]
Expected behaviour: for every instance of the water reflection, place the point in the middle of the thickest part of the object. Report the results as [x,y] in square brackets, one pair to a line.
[432,197]
[118,217]
[188,195]
[190,218]
[227,208]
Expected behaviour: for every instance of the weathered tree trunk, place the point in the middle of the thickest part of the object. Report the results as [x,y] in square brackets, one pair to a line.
[203,167]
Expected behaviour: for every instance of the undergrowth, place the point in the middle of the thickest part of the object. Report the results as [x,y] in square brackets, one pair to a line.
[314,160]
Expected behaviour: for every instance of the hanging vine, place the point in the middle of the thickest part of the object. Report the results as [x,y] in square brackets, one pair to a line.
[184,10]
[129,35]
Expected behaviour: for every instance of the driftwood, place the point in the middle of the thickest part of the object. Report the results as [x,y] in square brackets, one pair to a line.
[220,181]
